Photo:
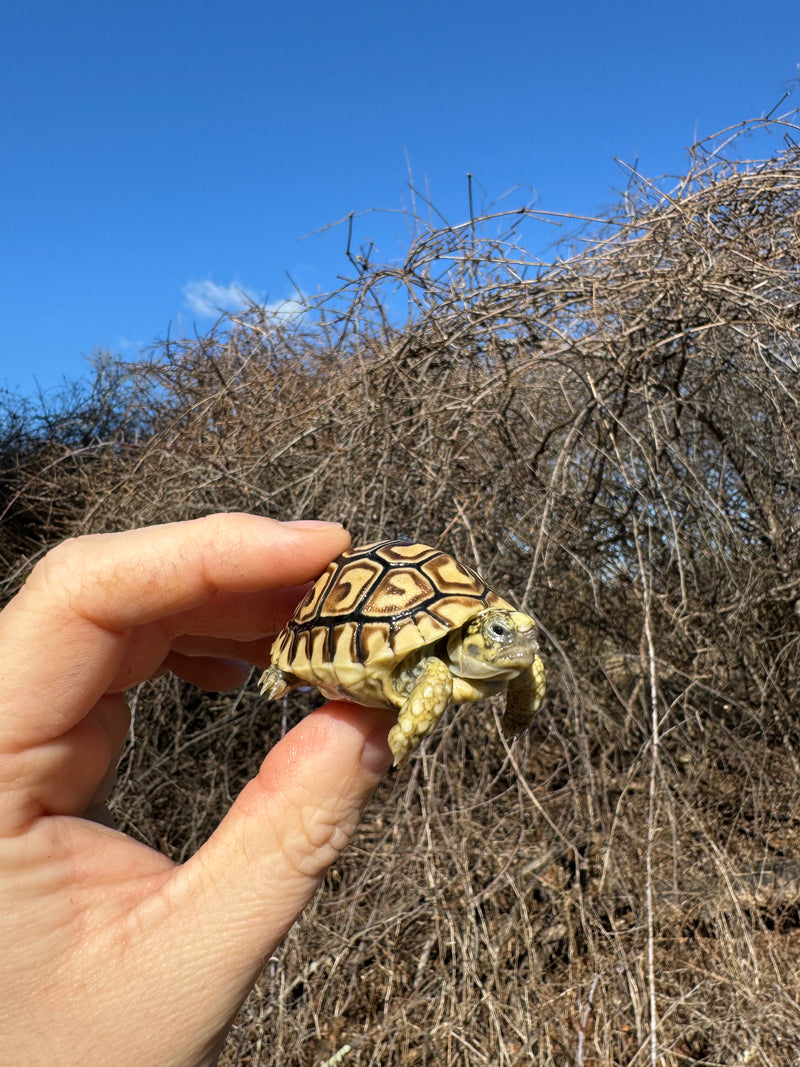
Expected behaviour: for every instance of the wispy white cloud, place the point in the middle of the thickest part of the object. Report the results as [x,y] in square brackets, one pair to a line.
[127,344]
[207,299]
[286,309]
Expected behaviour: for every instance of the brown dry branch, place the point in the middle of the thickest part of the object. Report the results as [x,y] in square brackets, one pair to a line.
[613,438]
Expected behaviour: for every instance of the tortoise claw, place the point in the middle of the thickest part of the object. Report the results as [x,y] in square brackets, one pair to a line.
[272,684]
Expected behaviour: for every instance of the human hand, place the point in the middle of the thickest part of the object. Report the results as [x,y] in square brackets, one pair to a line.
[112,954]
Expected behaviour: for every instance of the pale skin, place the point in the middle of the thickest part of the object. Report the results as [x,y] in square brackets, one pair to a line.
[112,955]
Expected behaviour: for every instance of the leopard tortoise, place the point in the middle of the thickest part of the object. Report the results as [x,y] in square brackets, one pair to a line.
[394,624]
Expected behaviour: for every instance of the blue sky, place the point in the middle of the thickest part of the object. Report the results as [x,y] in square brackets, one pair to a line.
[157,155]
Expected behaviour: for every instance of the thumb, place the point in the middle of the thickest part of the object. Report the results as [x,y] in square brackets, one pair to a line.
[248,884]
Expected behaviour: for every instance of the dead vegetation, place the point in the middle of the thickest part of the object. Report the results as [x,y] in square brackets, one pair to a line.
[613,439]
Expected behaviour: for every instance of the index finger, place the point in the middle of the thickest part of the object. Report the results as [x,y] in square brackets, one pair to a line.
[65,635]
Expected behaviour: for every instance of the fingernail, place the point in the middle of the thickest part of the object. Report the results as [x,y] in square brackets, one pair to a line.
[311,524]
[376,756]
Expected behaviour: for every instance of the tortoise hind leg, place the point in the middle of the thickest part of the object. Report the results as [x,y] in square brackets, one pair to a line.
[274,684]
[525,695]
[422,709]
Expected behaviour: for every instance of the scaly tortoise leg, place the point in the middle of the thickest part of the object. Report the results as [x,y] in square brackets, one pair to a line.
[273,683]
[525,695]
[423,708]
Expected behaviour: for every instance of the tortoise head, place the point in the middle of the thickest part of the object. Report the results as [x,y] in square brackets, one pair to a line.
[497,643]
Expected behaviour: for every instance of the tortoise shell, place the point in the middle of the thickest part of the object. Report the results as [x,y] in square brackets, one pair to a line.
[371,608]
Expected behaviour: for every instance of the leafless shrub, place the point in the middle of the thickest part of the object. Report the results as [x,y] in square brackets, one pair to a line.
[613,438]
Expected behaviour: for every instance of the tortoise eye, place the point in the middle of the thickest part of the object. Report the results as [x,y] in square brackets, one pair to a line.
[499,631]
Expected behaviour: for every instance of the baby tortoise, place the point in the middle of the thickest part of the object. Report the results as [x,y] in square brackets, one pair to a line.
[395,624]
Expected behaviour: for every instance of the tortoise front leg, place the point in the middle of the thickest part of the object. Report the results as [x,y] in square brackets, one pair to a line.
[423,708]
[525,695]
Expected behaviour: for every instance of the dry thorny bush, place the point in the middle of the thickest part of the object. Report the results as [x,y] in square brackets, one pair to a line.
[613,438]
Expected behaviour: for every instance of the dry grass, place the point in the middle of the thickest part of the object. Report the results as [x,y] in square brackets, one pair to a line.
[614,440]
